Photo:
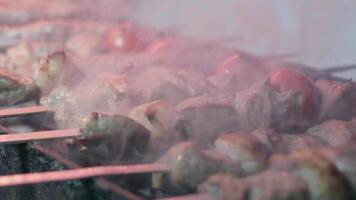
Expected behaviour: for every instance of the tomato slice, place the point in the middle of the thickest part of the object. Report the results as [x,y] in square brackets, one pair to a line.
[122,38]
[290,80]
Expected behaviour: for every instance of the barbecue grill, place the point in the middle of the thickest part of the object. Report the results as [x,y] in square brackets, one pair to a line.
[181,118]
[40,179]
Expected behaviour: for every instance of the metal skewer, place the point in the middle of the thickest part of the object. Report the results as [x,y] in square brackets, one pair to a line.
[80,173]
[200,196]
[39,135]
[11,112]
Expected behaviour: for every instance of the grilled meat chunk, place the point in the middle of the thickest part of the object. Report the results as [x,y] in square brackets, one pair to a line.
[160,118]
[203,118]
[197,81]
[238,72]
[344,158]
[335,132]
[337,99]
[190,166]
[282,143]
[277,103]
[186,53]
[49,70]
[110,96]
[110,139]
[15,90]
[323,179]
[156,83]
[245,149]
[268,185]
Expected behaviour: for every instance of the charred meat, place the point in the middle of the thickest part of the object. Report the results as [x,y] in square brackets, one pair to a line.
[268,185]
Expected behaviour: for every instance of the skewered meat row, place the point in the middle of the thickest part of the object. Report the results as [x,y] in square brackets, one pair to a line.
[190,166]
[267,185]
[306,174]
[251,152]
[174,106]
[110,139]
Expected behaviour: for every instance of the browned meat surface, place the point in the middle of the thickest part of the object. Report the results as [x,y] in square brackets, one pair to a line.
[160,118]
[245,149]
[281,143]
[344,158]
[334,132]
[322,177]
[268,185]
[238,72]
[337,99]
[203,118]
[15,89]
[190,166]
[109,139]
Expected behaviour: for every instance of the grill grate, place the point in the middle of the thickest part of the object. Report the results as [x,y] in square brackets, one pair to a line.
[74,170]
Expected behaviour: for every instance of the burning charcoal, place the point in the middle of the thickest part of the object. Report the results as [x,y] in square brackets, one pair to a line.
[286,101]
[323,179]
[190,166]
[238,72]
[110,139]
[15,90]
[268,185]
[203,118]
[337,99]
[11,162]
[65,190]
[334,132]
[245,149]
[159,117]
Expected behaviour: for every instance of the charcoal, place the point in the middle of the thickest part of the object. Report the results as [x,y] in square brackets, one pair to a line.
[245,149]
[268,185]
[203,118]
[322,177]
[11,163]
[334,132]
[190,166]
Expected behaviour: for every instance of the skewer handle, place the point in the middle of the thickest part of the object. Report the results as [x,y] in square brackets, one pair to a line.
[39,135]
[11,112]
[80,173]
[198,196]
